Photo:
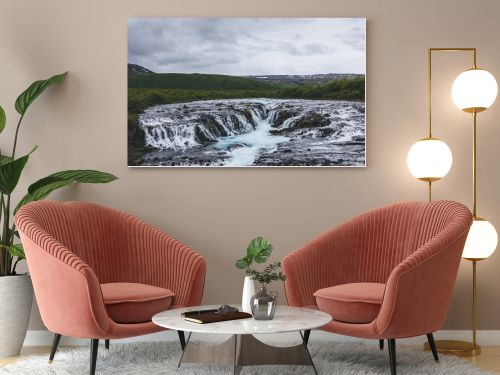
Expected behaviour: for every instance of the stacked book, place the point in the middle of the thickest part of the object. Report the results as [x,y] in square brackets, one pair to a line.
[213,316]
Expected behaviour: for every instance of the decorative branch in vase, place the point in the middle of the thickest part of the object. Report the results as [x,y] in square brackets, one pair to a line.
[262,305]
[269,274]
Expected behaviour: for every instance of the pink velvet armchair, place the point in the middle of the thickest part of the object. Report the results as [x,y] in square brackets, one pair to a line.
[99,273]
[385,274]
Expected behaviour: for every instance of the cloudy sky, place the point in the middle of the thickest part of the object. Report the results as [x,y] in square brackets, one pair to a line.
[245,46]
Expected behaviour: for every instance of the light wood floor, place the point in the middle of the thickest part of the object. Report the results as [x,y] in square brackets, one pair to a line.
[488,360]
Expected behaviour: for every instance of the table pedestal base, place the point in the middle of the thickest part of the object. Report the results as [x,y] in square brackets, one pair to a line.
[246,350]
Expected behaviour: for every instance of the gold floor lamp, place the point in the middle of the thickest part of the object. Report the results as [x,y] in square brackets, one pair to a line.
[430,159]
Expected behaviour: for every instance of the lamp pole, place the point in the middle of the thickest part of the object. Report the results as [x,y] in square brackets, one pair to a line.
[474,165]
[475,347]
[454,347]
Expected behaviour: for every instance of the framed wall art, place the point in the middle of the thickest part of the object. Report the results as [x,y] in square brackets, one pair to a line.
[241,92]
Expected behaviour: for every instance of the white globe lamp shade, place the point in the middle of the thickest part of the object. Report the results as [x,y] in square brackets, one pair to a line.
[429,159]
[474,90]
[481,241]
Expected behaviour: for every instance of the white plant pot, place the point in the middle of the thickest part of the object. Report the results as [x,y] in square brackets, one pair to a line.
[16,298]
[248,292]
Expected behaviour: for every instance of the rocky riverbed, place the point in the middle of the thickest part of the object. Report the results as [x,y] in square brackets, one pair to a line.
[253,132]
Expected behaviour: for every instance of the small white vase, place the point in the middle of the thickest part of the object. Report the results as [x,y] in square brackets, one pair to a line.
[248,292]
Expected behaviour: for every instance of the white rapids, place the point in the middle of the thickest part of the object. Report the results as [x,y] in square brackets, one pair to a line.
[244,129]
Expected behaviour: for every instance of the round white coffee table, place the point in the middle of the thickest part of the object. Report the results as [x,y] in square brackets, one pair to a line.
[242,348]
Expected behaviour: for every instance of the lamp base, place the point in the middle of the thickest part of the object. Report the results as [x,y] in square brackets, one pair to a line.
[456,348]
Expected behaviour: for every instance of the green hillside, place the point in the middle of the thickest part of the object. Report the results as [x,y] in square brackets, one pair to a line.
[195,81]
[342,89]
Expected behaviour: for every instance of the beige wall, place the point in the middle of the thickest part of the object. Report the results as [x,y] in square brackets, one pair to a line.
[82,124]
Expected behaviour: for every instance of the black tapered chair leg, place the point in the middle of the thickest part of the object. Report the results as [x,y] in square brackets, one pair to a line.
[106,344]
[392,355]
[432,344]
[94,346]
[55,344]
[307,333]
[381,344]
[182,339]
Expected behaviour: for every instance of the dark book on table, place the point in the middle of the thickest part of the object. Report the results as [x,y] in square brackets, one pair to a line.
[212,316]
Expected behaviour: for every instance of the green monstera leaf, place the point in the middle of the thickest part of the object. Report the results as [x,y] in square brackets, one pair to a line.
[259,250]
[242,263]
[29,95]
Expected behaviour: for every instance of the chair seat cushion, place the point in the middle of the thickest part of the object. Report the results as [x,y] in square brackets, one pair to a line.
[135,303]
[351,303]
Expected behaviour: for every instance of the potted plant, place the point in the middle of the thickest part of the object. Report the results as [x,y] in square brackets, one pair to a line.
[258,251]
[16,291]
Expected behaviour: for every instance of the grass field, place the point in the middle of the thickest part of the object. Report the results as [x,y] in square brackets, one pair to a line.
[195,81]
[146,90]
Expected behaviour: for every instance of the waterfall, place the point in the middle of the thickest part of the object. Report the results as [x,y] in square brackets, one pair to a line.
[259,131]
[202,123]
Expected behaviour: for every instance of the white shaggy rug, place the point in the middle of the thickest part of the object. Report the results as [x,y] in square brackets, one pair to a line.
[162,357]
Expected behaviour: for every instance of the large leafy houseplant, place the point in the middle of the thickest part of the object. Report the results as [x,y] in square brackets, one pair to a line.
[11,168]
